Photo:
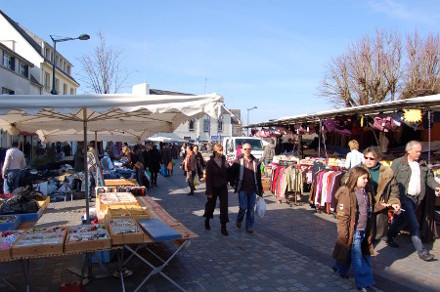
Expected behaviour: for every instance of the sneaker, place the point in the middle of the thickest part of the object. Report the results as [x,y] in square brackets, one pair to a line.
[363,289]
[250,230]
[427,257]
[390,242]
[224,231]
[238,224]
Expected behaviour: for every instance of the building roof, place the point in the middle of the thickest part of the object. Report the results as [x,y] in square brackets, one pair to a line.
[166,92]
[18,56]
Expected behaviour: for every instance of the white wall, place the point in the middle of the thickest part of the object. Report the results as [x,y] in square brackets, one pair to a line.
[21,47]
[199,135]
[14,81]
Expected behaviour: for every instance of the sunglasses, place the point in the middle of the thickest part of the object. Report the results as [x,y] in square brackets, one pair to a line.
[369,158]
[246,148]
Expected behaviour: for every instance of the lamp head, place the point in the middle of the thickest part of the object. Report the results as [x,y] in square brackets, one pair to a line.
[84,37]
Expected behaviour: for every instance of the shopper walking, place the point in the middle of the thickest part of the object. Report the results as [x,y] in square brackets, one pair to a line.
[384,190]
[217,186]
[412,177]
[246,177]
[190,167]
[200,162]
[12,168]
[153,162]
[354,241]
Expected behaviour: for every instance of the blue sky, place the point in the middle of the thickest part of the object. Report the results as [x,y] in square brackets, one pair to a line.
[269,54]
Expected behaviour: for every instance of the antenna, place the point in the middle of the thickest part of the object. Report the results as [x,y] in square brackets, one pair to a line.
[145,60]
[204,88]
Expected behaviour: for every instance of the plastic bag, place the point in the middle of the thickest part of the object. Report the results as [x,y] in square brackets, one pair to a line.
[170,166]
[260,207]
[163,170]
[148,174]
[196,182]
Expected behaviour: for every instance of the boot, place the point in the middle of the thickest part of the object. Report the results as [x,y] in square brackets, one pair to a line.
[223,230]
[207,227]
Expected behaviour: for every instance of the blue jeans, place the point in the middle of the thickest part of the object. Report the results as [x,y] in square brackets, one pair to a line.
[410,217]
[247,202]
[12,180]
[363,271]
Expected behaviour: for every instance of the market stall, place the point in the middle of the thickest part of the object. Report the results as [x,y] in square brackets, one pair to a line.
[389,125]
[98,113]
[128,221]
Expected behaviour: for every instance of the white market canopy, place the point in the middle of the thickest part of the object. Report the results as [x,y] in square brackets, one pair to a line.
[128,136]
[109,112]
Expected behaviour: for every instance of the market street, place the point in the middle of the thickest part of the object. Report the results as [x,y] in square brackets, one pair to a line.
[290,250]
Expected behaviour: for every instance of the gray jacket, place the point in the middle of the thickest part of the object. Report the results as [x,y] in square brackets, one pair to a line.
[402,174]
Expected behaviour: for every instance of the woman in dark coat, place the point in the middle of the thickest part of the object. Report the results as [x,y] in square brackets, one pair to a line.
[153,162]
[217,186]
[354,244]
[200,162]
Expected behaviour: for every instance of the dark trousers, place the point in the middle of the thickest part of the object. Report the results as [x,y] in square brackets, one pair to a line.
[154,178]
[190,175]
[410,217]
[222,194]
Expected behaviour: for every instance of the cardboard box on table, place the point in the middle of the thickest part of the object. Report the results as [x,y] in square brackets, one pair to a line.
[79,238]
[117,226]
[7,240]
[40,242]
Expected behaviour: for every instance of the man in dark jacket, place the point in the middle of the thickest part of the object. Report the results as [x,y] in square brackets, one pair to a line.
[190,167]
[246,177]
[412,176]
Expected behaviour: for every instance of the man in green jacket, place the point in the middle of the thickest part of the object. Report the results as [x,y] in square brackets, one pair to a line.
[412,177]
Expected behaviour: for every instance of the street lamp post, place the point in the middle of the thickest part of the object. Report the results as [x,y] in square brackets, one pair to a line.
[248,110]
[57,39]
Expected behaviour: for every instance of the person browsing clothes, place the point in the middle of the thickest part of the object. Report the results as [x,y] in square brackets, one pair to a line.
[12,168]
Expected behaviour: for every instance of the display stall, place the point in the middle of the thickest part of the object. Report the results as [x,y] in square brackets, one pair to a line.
[106,112]
[389,125]
[129,221]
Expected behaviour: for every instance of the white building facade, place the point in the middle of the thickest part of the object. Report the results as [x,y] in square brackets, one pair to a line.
[22,42]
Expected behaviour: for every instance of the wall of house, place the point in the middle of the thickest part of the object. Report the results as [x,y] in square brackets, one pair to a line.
[199,133]
[13,81]
[20,46]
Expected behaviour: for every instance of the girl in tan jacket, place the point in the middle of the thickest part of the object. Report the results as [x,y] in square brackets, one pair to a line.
[354,242]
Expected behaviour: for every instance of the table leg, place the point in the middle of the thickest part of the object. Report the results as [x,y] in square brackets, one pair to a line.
[25,267]
[158,270]
[120,263]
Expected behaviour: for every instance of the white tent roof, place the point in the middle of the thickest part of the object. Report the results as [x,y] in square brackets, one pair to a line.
[110,112]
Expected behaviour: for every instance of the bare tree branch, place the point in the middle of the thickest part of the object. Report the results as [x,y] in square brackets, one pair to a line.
[102,71]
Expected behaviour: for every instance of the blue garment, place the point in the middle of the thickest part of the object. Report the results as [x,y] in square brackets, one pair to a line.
[12,180]
[363,271]
[247,202]
[411,219]
[362,268]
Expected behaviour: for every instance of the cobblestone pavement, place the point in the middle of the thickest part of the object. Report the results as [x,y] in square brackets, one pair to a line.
[290,250]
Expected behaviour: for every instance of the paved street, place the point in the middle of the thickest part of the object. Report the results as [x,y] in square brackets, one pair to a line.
[290,250]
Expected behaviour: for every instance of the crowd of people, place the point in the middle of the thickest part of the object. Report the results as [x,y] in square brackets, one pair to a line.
[370,191]
[374,202]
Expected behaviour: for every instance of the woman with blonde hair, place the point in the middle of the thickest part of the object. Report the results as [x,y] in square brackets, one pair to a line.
[354,157]
[355,229]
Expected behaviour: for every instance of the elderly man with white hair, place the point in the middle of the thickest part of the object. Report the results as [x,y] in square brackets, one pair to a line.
[412,177]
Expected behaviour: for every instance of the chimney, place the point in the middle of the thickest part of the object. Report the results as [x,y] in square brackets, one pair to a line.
[141,89]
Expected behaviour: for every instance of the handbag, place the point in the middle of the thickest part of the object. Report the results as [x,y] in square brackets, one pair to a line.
[170,166]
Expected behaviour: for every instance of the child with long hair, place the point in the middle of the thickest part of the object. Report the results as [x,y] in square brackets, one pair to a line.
[355,225]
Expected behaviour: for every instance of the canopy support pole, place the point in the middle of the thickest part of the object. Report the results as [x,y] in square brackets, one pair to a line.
[319,136]
[86,170]
[429,137]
